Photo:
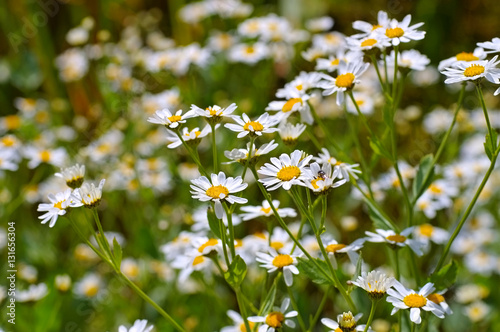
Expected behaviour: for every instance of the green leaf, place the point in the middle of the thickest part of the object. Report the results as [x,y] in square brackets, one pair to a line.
[424,177]
[490,144]
[236,272]
[445,277]
[378,148]
[117,252]
[310,269]
[214,223]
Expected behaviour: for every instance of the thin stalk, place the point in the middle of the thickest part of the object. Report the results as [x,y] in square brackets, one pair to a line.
[150,301]
[384,56]
[103,241]
[214,148]
[320,309]
[372,314]
[231,230]
[443,143]
[486,117]
[361,115]
[296,307]
[382,83]
[468,210]
[192,154]
[224,242]
[323,211]
[285,227]
[243,309]
[395,80]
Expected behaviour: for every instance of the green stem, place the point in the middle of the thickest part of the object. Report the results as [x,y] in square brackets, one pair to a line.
[372,314]
[468,210]
[323,211]
[214,148]
[395,80]
[296,307]
[442,145]
[243,309]
[231,230]
[102,240]
[224,242]
[150,301]
[486,117]
[192,154]
[320,309]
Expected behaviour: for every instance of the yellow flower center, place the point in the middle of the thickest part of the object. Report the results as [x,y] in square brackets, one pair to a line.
[266,210]
[198,260]
[216,191]
[299,87]
[174,118]
[334,247]
[91,290]
[58,205]
[426,230]
[256,126]
[435,189]
[243,327]
[209,243]
[473,70]
[288,173]
[282,260]
[45,156]
[212,111]
[436,298]
[394,33]
[313,183]
[8,141]
[277,245]
[464,56]
[345,80]
[376,26]
[396,238]
[415,301]
[368,42]
[290,103]
[335,62]
[250,50]
[274,319]
[12,122]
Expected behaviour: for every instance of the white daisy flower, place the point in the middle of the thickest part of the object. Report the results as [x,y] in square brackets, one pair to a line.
[215,112]
[274,261]
[365,102]
[477,311]
[366,44]
[296,103]
[265,210]
[58,205]
[411,59]
[249,54]
[492,46]
[238,323]
[286,171]
[62,282]
[139,326]
[274,320]
[402,32]
[192,137]
[190,262]
[348,76]
[439,299]
[166,118]
[72,175]
[89,194]
[299,85]
[368,28]
[36,156]
[346,170]
[217,190]
[396,240]
[404,298]
[473,70]
[33,293]
[89,286]
[245,126]
[9,159]
[333,248]
[290,133]
[462,57]
[375,283]
[319,24]
[427,232]
[241,155]
[321,180]
[345,322]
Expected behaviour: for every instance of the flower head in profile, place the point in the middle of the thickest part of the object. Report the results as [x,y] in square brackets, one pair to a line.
[214,114]
[346,170]
[166,118]
[473,71]
[286,171]
[492,46]
[375,283]
[347,77]
[346,322]
[276,319]
[89,194]
[191,137]
[241,155]
[218,189]
[462,57]
[238,323]
[396,240]
[404,298]
[265,210]
[72,175]
[58,206]
[290,133]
